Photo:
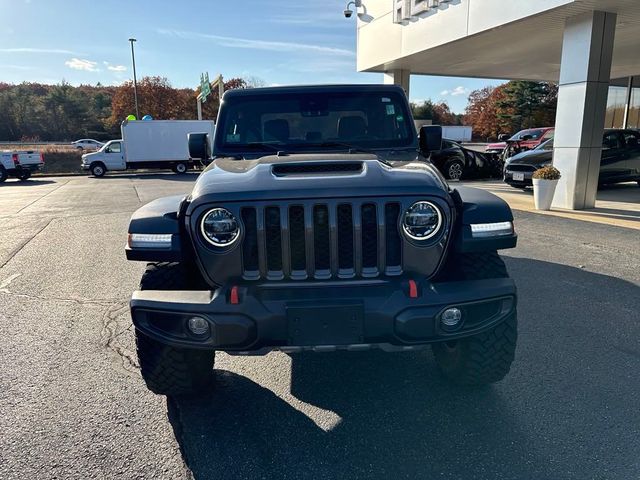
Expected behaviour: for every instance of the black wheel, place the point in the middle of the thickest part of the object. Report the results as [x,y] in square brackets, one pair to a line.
[3,174]
[24,175]
[98,169]
[486,357]
[168,370]
[180,168]
[453,169]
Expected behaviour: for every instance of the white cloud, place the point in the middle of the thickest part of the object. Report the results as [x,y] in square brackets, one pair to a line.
[37,50]
[117,68]
[80,64]
[455,92]
[237,42]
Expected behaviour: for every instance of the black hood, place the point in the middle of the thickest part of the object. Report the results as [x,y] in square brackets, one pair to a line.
[315,176]
[532,157]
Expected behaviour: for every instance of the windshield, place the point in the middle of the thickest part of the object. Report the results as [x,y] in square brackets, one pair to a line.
[535,133]
[548,145]
[302,121]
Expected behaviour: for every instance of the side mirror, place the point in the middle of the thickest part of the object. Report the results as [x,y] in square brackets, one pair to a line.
[198,146]
[524,138]
[430,139]
[503,137]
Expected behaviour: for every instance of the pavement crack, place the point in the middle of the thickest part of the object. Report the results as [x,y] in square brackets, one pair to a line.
[44,196]
[110,332]
[21,247]
[79,301]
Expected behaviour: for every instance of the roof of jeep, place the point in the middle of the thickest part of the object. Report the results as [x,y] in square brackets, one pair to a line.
[313,89]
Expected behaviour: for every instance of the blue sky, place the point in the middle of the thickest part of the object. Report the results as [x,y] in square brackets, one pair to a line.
[278,41]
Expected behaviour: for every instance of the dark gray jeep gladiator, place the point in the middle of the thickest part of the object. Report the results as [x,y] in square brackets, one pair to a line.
[320,224]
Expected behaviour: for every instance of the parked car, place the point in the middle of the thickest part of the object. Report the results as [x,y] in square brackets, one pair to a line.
[19,164]
[87,144]
[319,226]
[457,162]
[620,160]
[527,139]
[147,144]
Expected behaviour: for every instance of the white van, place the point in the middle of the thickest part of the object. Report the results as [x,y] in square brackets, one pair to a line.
[148,144]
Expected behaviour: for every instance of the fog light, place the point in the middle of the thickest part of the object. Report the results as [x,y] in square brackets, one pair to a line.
[198,325]
[451,318]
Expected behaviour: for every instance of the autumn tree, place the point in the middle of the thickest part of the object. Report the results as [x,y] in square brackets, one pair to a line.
[156,97]
[439,113]
[511,107]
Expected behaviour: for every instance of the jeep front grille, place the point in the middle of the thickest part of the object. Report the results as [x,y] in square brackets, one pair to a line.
[321,241]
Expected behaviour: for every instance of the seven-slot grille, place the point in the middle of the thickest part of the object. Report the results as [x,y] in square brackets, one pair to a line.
[321,240]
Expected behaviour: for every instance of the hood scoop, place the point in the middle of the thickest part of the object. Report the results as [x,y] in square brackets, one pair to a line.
[317,168]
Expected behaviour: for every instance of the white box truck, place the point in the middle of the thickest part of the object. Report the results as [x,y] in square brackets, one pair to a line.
[148,144]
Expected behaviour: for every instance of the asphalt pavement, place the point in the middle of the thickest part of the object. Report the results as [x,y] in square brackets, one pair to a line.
[73,404]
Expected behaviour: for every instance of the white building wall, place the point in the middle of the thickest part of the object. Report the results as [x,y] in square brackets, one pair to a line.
[381,39]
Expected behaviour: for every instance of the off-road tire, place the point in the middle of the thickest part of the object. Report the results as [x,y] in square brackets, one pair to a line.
[454,169]
[24,176]
[486,357]
[3,174]
[168,370]
[173,371]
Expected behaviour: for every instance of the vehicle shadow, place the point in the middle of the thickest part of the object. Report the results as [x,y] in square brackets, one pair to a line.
[190,176]
[26,183]
[559,414]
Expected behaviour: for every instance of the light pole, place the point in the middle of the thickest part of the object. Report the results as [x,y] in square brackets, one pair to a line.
[135,82]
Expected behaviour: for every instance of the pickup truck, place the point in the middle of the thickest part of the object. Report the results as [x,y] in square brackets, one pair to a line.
[19,164]
[320,224]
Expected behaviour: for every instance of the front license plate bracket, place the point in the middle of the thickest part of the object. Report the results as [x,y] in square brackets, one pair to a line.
[325,325]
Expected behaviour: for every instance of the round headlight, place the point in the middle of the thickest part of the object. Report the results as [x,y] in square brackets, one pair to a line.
[220,228]
[421,221]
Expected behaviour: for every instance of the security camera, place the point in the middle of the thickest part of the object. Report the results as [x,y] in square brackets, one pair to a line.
[348,13]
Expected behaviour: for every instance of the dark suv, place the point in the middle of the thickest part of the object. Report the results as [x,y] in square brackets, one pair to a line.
[620,160]
[321,225]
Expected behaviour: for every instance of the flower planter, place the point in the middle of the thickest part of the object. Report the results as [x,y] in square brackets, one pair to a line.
[543,191]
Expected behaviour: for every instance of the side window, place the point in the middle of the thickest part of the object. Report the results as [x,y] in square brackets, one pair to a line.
[547,135]
[114,147]
[610,141]
[632,140]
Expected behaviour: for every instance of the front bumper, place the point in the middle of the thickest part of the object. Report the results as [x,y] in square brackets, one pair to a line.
[525,181]
[322,315]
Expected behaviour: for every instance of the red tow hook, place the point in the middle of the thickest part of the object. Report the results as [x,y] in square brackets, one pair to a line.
[413,289]
[234,296]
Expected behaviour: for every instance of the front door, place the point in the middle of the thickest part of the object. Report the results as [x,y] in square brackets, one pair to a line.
[114,156]
[632,145]
[613,161]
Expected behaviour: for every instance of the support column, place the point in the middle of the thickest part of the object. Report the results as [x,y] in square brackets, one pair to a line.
[398,77]
[627,103]
[585,70]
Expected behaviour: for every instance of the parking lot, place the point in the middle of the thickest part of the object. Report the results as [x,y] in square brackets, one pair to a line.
[73,404]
